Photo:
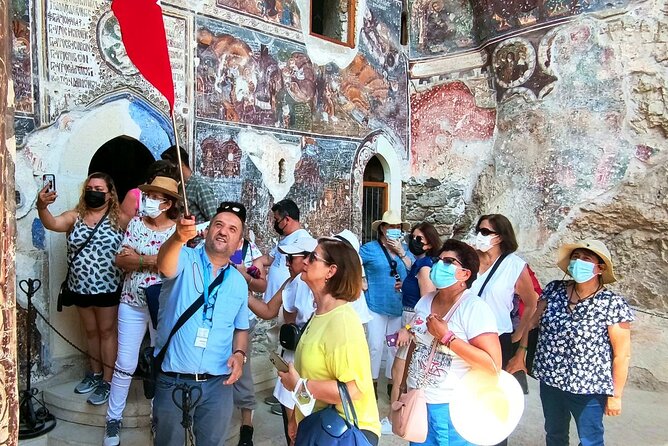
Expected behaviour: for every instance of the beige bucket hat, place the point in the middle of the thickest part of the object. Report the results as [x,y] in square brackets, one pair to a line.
[163,185]
[595,246]
[391,218]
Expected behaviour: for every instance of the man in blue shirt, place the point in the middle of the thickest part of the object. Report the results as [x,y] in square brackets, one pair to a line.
[210,348]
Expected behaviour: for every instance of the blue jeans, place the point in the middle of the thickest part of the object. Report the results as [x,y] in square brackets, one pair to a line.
[441,431]
[558,406]
[210,416]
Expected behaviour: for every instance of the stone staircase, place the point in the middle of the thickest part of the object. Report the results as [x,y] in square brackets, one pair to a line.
[82,424]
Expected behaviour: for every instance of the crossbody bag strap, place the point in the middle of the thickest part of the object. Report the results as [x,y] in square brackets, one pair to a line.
[393,263]
[491,272]
[85,243]
[244,251]
[192,309]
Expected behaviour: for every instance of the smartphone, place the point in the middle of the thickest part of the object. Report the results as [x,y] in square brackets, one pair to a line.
[49,180]
[278,362]
[391,339]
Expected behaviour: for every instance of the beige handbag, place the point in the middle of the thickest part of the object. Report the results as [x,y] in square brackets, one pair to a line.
[409,413]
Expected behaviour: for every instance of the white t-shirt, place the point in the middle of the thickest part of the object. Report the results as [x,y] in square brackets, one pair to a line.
[298,298]
[278,271]
[473,317]
[500,290]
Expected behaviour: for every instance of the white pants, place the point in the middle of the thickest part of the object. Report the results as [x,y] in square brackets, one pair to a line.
[379,326]
[132,323]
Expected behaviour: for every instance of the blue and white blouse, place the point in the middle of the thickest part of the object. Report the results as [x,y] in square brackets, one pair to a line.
[574,353]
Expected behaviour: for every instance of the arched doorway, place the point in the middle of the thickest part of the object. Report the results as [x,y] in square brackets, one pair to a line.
[374,196]
[125,159]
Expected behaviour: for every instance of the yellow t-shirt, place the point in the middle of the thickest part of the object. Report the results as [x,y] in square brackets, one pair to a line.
[334,347]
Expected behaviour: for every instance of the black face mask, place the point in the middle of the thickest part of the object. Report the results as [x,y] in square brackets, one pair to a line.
[94,199]
[277,228]
[415,246]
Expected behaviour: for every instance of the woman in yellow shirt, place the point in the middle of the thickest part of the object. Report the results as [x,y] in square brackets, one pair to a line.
[333,346]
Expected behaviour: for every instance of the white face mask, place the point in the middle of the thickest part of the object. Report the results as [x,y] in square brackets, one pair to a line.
[152,207]
[484,242]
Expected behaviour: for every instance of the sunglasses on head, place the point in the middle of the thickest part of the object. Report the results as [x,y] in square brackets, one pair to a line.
[486,232]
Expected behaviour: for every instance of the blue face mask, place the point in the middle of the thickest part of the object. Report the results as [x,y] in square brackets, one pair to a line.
[393,234]
[580,270]
[443,274]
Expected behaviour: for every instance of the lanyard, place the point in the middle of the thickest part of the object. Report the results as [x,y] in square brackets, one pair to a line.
[392,263]
[214,292]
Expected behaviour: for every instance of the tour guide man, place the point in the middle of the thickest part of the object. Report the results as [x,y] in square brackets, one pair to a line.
[210,349]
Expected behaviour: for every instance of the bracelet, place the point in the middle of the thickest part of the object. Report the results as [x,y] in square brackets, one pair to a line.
[141,262]
[523,347]
[250,281]
[447,338]
[402,256]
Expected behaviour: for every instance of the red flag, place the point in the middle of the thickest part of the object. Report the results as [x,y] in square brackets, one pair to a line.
[143,32]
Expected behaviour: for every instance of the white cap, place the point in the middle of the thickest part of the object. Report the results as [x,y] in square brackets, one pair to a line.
[349,237]
[299,246]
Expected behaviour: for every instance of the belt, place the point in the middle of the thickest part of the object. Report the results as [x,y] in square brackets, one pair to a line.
[199,377]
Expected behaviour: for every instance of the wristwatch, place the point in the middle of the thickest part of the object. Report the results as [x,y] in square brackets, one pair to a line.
[243,353]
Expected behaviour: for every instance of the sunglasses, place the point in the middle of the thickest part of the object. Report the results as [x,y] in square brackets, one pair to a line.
[486,232]
[447,261]
[313,257]
[291,257]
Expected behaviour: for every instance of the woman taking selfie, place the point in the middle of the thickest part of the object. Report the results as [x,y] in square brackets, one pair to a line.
[584,346]
[94,233]
[137,258]
[467,340]
[333,347]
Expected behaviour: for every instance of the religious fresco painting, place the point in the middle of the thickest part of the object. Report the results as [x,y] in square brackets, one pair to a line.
[440,27]
[282,12]
[248,77]
[24,99]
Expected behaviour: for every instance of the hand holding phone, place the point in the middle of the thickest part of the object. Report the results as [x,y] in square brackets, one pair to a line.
[49,181]
[278,362]
[391,339]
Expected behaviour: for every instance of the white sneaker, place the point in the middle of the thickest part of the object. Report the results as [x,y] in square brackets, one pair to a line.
[386,426]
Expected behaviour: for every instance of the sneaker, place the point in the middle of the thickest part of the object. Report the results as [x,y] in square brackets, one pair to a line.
[276,409]
[271,400]
[89,383]
[245,436]
[385,427]
[100,395]
[112,433]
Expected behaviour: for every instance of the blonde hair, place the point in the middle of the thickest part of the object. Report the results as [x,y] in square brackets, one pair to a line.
[114,205]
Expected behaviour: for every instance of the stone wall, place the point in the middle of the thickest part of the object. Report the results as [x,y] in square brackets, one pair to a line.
[9,398]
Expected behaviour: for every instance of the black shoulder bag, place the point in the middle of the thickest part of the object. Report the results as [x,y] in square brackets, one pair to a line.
[149,365]
[64,293]
[291,333]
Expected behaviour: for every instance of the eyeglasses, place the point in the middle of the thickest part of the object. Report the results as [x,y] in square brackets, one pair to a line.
[447,260]
[486,232]
[312,257]
[291,257]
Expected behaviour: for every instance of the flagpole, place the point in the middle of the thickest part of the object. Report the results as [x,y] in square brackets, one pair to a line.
[178,157]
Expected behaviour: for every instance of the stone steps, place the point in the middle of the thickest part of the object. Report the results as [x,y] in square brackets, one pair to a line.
[66,405]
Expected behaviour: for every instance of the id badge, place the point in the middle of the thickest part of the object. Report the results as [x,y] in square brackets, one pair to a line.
[202,337]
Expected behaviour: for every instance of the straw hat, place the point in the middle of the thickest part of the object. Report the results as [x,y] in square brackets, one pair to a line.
[391,218]
[164,185]
[595,246]
[486,408]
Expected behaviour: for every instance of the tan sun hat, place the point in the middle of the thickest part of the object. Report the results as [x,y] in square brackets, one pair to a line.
[595,246]
[163,185]
[391,218]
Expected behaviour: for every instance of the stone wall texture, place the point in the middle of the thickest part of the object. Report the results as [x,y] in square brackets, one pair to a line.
[9,398]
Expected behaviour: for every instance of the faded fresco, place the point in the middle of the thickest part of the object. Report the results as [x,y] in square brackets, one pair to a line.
[24,102]
[439,27]
[282,12]
[318,177]
[248,77]
[446,124]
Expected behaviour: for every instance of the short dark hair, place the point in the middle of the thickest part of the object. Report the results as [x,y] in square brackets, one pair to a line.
[233,207]
[170,155]
[503,228]
[466,255]
[286,207]
[346,283]
[161,168]
[174,211]
[431,234]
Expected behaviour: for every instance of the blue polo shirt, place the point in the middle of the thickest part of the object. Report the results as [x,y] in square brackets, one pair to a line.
[381,297]
[230,312]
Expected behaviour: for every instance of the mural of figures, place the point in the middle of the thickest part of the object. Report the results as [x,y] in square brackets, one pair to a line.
[514,62]
[247,77]
[22,57]
[284,12]
[441,27]
[111,46]
[220,158]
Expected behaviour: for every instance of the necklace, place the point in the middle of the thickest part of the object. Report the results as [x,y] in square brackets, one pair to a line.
[580,298]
